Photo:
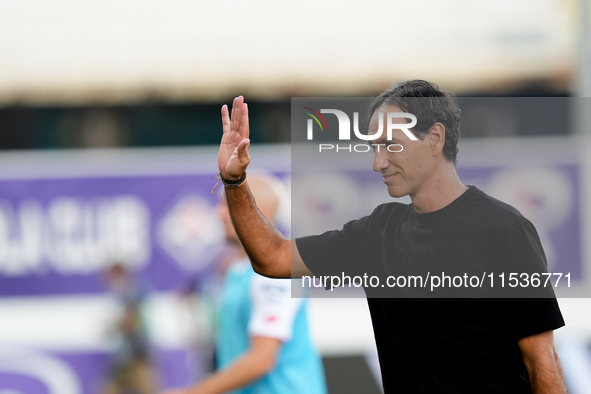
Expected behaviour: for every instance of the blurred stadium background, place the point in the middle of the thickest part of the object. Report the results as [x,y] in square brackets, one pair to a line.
[109,121]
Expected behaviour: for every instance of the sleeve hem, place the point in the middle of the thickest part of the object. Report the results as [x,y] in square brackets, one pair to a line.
[308,262]
[550,323]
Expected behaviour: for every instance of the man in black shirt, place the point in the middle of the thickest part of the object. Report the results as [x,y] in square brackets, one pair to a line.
[425,345]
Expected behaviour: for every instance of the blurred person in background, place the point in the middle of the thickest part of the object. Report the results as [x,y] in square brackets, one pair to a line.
[263,343]
[425,345]
[130,371]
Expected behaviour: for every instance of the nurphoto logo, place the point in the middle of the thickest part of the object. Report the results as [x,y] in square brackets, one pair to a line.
[345,129]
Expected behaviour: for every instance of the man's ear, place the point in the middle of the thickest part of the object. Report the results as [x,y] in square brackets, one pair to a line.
[436,138]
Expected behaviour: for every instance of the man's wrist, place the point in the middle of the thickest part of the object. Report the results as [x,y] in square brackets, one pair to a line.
[230,177]
[232,181]
[229,183]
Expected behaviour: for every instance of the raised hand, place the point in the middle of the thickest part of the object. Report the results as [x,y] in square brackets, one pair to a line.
[233,156]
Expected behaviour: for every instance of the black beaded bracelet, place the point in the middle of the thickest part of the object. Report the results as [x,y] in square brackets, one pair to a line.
[229,183]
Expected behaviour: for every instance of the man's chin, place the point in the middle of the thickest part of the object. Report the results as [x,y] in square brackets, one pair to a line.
[396,192]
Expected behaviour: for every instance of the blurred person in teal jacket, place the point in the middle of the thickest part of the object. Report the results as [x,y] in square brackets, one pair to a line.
[264,345]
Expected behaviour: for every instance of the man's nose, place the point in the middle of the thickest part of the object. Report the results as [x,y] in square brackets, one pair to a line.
[380,161]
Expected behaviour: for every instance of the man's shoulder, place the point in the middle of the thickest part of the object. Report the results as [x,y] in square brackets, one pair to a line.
[495,212]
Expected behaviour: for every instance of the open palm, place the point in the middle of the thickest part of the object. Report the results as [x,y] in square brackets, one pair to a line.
[233,157]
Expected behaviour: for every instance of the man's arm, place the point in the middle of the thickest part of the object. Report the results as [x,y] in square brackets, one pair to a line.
[270,253]
[542,363]
[258,361]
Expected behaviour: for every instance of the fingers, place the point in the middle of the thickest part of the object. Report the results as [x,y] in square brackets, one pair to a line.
[238,121]
[225,119]
[236,117]
[244,128]
[233,118]
[236,113]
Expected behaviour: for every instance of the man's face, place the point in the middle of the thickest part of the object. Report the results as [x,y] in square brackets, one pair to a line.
[406,171]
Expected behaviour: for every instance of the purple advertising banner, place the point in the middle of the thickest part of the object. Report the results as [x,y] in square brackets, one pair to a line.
[59,235]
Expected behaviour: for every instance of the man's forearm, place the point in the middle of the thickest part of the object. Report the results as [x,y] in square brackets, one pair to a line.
[268,250]
[270,253]
[547,377]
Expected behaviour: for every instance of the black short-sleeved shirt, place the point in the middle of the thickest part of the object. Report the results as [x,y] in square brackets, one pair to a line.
[449,345]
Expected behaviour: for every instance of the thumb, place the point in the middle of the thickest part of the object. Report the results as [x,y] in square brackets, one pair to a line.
[242,150]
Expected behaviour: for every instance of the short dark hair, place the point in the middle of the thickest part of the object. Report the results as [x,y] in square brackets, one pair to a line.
[430,105]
